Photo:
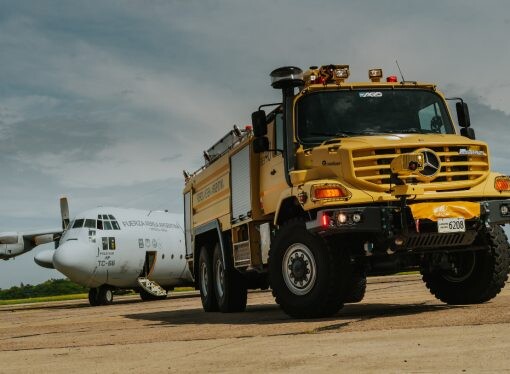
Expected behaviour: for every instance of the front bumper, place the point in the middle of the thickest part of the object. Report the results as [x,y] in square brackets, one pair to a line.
[396,225]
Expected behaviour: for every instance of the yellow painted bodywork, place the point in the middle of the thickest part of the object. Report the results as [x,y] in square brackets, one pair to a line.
[450,209]
[355,164]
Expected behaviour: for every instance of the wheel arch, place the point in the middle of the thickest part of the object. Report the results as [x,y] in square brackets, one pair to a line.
[287,209]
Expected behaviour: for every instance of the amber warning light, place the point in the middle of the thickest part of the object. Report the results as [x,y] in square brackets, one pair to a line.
[330,192]
[502,183]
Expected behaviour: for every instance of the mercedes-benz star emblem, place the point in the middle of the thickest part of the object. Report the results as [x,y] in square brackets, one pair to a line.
[431,163]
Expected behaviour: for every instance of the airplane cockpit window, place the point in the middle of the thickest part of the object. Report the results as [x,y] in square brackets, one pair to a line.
[107,222]
[90,223]
[78,223]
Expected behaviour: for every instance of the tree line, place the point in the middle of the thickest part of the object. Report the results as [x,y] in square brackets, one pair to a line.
[52,287]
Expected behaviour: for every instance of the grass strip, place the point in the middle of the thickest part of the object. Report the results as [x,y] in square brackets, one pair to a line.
[79,296]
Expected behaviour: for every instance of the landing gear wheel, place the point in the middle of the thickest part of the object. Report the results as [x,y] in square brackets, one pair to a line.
[205,281]
[356,287]
[105,295]
[229,285]
[93,300]
[471,277]
[308,278]
[146,296]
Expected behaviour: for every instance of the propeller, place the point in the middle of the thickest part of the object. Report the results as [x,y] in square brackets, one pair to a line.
[64,212]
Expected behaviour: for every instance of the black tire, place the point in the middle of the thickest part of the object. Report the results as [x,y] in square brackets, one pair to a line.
[481,275]
[105,295]
[229,285]
[205,281]
[146,296]
[356,287]
[93,300]
[307,277]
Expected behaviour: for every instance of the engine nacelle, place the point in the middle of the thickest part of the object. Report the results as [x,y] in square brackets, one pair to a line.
[11,244]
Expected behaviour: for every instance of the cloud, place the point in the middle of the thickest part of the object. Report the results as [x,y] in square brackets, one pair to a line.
[492,126]
[108,101]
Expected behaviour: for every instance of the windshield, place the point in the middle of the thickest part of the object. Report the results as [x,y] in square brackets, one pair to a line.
[323,115]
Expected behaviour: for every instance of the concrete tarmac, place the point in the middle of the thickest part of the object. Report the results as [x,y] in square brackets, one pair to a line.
[398,327]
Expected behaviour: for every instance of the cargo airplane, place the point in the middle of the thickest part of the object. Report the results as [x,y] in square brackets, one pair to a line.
[112,248]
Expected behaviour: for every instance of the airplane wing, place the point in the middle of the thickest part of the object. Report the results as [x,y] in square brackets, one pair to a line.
[13,244]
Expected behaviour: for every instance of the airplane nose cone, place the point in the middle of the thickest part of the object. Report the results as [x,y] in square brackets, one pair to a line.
[45,258]
[75,259]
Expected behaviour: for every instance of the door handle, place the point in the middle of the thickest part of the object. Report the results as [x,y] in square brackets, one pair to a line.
[273,172]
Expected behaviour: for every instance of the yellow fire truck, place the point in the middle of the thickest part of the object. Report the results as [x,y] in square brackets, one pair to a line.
[343,179]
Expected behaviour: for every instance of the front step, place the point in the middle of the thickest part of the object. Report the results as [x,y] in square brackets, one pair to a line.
[151,287]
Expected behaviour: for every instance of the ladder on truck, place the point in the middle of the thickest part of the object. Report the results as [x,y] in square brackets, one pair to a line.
[219,148]
[224,144]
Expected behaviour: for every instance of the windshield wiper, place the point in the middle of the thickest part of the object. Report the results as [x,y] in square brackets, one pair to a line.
[412,130]
[345,134]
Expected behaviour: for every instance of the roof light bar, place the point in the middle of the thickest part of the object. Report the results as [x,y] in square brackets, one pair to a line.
[375,75]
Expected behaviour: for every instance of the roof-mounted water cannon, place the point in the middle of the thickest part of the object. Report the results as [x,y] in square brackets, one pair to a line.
[326,74]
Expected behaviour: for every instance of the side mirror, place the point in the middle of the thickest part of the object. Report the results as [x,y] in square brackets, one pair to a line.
[260,145]
[468,132]
[463,114]
[258,120]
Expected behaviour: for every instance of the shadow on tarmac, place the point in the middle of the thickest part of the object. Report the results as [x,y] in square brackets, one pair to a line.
[272,314]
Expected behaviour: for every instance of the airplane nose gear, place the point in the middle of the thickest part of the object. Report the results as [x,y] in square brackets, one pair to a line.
[101,296]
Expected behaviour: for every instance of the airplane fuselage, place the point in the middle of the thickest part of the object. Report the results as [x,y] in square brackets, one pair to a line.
[114,246]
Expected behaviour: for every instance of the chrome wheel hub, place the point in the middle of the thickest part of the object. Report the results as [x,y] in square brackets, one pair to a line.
[299,269]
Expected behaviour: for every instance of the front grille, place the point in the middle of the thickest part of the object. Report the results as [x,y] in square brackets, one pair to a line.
[371,167]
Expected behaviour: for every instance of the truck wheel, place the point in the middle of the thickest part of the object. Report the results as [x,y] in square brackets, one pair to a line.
[105,295]
[472,277]
[93,297]
[229,285]
[307,277]
[205,273]
[356,287]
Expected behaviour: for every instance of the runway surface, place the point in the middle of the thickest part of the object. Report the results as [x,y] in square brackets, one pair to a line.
[399,327]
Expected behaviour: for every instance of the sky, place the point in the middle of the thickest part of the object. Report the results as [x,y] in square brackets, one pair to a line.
[106,102]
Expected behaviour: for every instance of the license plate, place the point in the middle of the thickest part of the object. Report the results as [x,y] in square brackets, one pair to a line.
[451,225]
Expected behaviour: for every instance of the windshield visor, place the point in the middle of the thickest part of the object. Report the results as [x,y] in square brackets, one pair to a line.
[332,114]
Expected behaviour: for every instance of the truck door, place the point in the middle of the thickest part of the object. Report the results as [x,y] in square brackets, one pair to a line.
[272,167]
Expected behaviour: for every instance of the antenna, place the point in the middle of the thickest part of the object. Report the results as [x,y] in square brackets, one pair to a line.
[400,71]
